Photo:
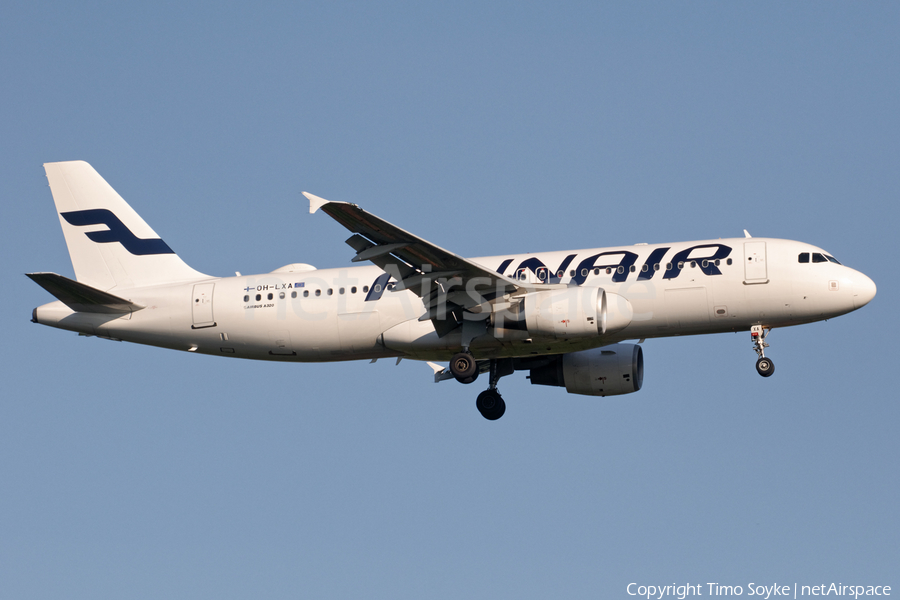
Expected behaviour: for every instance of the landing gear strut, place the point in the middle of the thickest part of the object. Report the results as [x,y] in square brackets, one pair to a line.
[465,368]
[764,366]
[489,403]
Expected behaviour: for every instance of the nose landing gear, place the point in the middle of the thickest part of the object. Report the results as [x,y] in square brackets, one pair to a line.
[764,366]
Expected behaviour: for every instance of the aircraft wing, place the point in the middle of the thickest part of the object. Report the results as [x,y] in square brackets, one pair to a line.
[438,276]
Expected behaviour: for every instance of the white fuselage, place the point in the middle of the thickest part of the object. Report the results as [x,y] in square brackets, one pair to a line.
[310,315]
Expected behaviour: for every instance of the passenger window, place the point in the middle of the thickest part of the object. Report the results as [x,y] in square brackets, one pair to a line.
[353,290]
[293,294]
[246,298]
[365,289]
[341,291]
[818,258]
[656,267]
[728,262]
[281,295]
[633,268]
[693,263]
[584,273]
[318,292]
[596,271]
[258,297]
[330,291]
[620,269]
[803,258]
[306,293]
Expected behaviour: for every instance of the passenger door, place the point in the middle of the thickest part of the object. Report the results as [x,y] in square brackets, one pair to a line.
[202,306]
[755,270]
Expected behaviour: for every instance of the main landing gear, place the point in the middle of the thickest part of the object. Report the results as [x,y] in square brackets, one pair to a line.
[489,402]
[764,366]
[464,367]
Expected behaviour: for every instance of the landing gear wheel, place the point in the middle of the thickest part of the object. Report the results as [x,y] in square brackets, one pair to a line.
[490,405]
[463,367]
[765,367]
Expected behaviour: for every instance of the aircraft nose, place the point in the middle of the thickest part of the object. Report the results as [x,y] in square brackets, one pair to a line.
[863,290]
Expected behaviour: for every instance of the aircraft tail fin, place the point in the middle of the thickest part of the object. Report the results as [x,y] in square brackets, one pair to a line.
[109,243]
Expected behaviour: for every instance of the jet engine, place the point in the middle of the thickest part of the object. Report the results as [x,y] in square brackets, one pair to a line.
[607,371]
[572,312]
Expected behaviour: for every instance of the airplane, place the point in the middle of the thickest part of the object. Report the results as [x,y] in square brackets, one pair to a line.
[569,318]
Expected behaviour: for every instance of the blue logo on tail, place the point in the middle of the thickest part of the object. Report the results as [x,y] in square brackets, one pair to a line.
[118,232]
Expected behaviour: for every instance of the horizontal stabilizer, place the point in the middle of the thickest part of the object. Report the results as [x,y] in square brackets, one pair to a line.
[82,298]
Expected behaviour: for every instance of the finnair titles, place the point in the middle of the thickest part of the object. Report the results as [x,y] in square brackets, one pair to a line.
[569,318]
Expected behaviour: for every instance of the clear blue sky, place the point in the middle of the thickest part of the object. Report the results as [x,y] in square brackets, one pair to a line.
[487,128]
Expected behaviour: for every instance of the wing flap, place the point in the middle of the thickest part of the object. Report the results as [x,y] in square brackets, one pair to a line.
[376,251]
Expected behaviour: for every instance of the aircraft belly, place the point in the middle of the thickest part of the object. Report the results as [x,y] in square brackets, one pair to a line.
[416,336]
[687,309]
[359,330]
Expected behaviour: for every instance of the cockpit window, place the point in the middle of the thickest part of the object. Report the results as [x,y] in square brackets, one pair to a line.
[804,257]
[832,259]
[819,258]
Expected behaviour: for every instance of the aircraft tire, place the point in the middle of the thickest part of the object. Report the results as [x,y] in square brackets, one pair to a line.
[490,404]
[765,367]
[463,367]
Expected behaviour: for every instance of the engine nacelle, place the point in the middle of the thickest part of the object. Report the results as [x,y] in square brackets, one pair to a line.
[572,312]
[608,371]
[567,313]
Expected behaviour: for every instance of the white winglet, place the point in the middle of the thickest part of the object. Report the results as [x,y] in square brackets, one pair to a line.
[438,371]
[315,203]
[747,234]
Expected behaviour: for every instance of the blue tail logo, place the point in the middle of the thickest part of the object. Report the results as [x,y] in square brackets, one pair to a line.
[117,232]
